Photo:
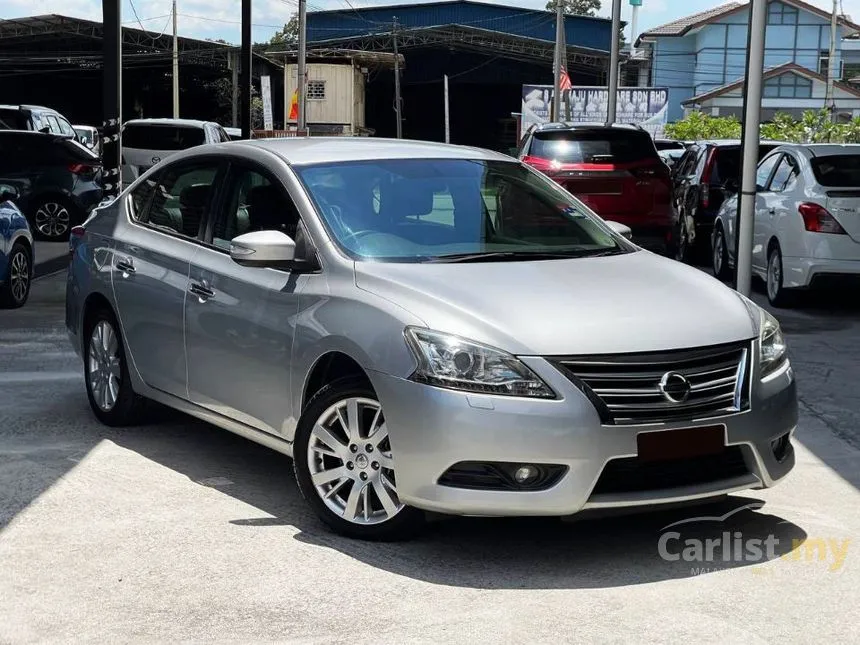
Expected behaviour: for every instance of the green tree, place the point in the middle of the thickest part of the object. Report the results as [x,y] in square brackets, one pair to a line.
[576,7]
[697,126]
[289,34]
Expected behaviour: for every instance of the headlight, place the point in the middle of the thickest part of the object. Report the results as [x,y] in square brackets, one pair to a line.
[452,362]
[773,352]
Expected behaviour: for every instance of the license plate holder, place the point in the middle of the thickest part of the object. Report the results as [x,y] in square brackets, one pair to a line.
[681,443]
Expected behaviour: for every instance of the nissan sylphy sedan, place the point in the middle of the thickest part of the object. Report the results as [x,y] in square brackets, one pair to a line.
[424,327]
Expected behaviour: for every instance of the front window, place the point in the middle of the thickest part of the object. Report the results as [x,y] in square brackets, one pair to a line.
[417,210]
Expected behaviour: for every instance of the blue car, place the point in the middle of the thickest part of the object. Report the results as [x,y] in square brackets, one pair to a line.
[16,251]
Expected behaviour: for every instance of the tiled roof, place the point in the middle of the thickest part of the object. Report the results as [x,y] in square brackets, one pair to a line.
[682,25]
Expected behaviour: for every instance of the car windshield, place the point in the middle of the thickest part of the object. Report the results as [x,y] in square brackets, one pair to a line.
[419,210]
[603,145]
[837,170]
[162,137]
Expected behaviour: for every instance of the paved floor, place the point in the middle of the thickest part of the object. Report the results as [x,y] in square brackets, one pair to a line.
[178,531]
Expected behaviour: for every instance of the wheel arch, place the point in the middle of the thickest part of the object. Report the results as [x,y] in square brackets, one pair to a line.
[329,367]
[96,301]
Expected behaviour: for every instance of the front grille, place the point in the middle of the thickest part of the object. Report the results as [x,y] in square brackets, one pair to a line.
[631,474]
[626,390]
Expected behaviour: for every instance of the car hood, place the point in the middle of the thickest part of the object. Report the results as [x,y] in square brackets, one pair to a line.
[637,302]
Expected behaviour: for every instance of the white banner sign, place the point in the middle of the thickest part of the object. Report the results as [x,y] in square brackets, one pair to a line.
[644,106]
[266,87]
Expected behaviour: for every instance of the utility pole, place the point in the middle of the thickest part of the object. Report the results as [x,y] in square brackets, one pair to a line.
[245,72]
[614,57]
[447,113]
[112,97]
[634,24]
[398,101]
[301,69]
[559,61]
[234,64]
[831,62]
[752,124]
[175,66]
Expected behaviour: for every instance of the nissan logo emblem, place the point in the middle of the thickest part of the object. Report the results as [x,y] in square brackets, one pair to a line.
[675,387]
[155,160]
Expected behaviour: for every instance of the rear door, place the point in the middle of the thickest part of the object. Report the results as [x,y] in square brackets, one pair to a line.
[838,178]
[151,263]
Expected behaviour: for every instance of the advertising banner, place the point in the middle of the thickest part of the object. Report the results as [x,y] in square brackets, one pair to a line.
[643,106]
[266,87]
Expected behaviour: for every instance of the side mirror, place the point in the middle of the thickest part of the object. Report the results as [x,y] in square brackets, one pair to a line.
[264,249]
[45,130]
[622,229]
[8,193]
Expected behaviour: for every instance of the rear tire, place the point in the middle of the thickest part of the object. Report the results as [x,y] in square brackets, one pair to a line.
[344,466]
[720,256]
[16,285]
[777,294]
[106,375]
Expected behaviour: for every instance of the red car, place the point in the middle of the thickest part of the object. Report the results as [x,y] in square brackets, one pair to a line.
[615,170]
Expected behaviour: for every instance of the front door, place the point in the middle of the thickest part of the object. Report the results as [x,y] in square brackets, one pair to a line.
[150,268]
[239,321]
[763,206]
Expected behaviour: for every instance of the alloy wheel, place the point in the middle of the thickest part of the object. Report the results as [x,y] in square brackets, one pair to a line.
[719,249]
[52,219]
[350,462]
[774,276]
[103,366]
[19,276]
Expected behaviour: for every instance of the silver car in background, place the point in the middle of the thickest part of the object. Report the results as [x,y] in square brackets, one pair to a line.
[424,327]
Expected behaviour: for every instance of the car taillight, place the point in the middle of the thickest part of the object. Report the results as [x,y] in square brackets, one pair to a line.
[817,219]
[75,236]
[705,192]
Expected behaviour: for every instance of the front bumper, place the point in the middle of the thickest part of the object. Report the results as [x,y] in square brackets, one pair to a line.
[432,429]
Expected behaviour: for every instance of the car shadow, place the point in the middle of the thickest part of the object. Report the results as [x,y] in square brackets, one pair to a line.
[465,552]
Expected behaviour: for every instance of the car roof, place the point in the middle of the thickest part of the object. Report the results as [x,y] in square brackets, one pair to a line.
[315,150]
[830,149]
[27,107]
[189,123]
[596,125]
[725,143]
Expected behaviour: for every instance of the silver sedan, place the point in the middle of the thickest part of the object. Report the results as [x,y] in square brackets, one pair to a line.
[424,328]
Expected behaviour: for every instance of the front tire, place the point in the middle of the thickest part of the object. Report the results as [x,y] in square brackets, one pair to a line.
[16,286]
[344,466]
[108,384]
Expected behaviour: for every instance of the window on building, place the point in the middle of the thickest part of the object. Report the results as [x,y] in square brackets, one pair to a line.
[781,14]
[316,90]
[788,86]
[824,65]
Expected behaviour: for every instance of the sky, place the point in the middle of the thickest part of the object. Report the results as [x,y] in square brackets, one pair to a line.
[221,18]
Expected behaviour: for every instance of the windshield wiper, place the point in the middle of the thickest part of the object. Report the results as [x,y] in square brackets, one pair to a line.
[503,256]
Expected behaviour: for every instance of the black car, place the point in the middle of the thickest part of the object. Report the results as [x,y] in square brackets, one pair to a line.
[669,144]
[57,179]
[707,174]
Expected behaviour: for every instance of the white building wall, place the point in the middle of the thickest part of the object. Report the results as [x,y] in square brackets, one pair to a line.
[339,107]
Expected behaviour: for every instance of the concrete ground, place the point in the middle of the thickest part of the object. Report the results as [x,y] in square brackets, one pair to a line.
[179,531]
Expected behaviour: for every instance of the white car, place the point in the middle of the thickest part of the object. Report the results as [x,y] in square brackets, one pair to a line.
[146,142]
[807,220]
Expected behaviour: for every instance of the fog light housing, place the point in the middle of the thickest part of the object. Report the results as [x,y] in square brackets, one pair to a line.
[781,447]
[525,473]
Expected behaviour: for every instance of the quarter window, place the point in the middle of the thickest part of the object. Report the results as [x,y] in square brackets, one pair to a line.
[180,199]
[784,175]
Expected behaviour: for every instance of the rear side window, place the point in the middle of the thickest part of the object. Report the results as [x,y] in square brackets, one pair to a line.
[162,137]
[594,146]
[13,120]
[841,171]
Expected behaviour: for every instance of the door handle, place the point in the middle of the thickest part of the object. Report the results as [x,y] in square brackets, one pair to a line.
[202,292]
[126,265]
